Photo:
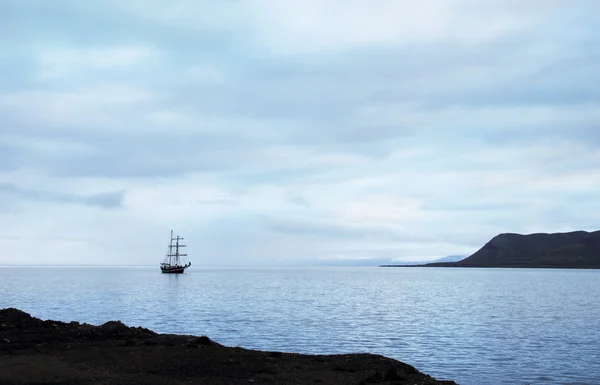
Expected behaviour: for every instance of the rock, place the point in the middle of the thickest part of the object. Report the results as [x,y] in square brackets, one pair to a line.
[202,340]
[56,352]
[392,375]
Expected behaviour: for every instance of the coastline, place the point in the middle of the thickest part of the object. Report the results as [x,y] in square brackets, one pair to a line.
[508,266]
[54,352]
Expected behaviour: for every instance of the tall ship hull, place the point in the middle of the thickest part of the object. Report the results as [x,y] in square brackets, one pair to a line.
[172,263]
[166,269]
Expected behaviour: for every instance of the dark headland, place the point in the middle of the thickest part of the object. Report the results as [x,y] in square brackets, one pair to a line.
[575,250]
[33,351]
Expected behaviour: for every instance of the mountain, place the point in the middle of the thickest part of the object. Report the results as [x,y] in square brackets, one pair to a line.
[577,249]
[450,258]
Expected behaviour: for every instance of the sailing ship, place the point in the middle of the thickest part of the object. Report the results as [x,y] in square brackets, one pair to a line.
[172,263]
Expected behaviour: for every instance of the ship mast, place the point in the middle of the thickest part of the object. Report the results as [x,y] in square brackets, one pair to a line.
[177,246]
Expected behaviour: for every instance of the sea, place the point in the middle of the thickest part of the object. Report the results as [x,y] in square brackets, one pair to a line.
[474,326]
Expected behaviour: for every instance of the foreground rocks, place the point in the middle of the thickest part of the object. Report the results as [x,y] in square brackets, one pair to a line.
[33,351]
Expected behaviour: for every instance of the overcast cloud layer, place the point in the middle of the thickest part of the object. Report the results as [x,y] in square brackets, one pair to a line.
[294,132]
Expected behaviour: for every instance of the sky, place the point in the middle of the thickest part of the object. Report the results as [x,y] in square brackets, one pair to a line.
[271,133]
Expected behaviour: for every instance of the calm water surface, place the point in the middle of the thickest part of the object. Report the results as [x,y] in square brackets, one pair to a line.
[474,326]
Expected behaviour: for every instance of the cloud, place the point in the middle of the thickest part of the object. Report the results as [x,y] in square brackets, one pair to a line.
[295,133]
[113,199]
[332,229]
[60,62]
[314,26]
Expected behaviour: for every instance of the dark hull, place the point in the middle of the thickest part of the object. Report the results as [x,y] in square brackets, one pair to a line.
[174,269]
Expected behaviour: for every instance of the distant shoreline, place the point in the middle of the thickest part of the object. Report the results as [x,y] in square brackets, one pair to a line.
[572,250]
[499,266]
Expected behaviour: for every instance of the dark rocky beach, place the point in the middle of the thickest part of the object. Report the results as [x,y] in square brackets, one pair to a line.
[34,351]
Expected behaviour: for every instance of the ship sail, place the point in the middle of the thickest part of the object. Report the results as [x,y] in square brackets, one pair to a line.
[173,263]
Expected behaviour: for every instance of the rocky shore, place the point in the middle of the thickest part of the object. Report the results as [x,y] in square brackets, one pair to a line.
[34,351]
